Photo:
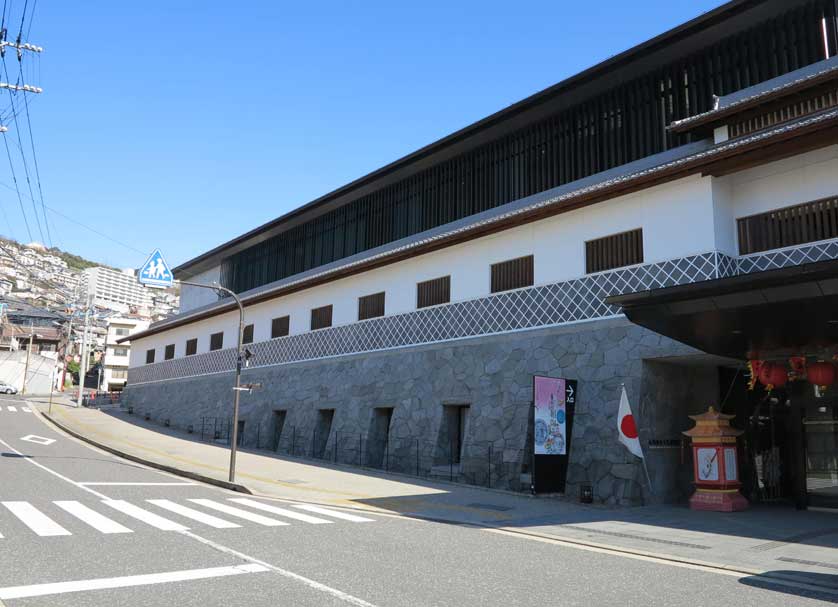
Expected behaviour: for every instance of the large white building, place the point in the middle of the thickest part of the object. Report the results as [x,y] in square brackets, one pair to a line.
[653,222]
[114,289]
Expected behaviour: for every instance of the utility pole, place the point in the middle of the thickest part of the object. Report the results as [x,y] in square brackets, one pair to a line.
[28,354]
[84,354]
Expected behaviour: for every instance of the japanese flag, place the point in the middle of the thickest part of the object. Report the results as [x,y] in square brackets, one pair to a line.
[627,428]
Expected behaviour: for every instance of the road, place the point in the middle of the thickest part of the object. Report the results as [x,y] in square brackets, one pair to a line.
[83,528]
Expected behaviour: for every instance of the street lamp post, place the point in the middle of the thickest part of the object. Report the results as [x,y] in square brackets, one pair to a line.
[237,389]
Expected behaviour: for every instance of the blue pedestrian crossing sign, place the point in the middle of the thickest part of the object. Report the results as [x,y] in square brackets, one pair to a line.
[155,272]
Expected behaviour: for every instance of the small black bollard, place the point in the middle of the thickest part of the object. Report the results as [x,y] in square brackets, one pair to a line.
[130,410]
[189,429]
[586,493]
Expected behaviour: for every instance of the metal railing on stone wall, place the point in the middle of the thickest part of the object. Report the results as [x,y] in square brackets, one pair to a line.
[475,463]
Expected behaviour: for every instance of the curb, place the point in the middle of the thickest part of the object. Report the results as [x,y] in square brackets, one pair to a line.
[152,464]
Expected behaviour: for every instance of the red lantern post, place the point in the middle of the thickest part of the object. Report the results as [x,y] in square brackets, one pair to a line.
[821,373]
[716,468]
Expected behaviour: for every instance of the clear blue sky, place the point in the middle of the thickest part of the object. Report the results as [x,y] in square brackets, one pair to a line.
[182,124]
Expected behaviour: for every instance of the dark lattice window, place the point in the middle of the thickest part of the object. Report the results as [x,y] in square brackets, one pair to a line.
[169,354]
[321,317]
[247,334]
[433,292]
[217,340]
[371,306]
[149,356]
[280,327]
[513,274]
[789,226]
[615,251]
[191,346]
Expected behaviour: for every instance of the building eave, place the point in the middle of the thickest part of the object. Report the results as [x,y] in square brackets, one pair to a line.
[213,257]
[811,132]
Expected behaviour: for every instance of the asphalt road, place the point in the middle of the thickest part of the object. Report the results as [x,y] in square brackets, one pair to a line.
[78,528]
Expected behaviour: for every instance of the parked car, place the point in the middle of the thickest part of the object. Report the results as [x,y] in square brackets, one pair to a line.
[7,388]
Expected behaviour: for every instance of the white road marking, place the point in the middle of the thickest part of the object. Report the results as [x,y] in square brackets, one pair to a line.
[335,513]
[20,592]
[36,520]
[313,584]
[98,521]
[238,512]
[12,409]
[38,440]
[144,515]
[197,515]
[280,511]
[96,484]
[26,409]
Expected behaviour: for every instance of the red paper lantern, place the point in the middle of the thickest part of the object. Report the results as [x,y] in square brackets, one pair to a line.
[774,375]
[821,373]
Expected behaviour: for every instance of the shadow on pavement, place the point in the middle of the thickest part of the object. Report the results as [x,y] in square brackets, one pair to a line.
[769,581]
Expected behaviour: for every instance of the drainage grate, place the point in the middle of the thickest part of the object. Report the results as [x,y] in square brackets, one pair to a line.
[637,537]
[794,539]
[787,559]
[490,507]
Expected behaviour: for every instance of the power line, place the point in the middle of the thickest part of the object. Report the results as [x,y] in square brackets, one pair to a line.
[17,189]
[94,230]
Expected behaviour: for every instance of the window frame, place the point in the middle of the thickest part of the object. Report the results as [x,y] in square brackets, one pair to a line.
[220,346]
[276,322]
[506,262]
[446,289]
[314,311]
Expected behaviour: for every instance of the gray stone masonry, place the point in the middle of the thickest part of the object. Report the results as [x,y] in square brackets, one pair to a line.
[490,374]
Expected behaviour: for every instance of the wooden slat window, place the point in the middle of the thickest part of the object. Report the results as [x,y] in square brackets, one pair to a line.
[191,346]
[247,334]
[280,327]
[321,317]
[371,306]
[615,251]
[789,226]
[217,340]
[433,292]
[169,354]
[149,356]
[513,274]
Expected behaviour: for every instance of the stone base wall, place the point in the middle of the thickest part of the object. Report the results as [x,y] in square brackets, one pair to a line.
[492,375]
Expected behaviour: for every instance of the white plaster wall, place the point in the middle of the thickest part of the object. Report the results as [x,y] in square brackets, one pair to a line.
[779,184]
[677,220]
[195,297]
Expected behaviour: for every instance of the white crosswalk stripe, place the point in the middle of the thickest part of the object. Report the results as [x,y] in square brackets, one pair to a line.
[238,512]
[12,409]
[36,520]
[26,409]
[335,513]
[98,521]
[41,522]
[195,515]
[144,515]
[306,518]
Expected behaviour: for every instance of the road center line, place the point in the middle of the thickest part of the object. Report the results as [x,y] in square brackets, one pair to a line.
[19,592]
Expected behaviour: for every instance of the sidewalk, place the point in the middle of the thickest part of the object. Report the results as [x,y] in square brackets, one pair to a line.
[773,541]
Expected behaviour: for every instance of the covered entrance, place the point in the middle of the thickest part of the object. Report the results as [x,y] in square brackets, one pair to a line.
[779,317]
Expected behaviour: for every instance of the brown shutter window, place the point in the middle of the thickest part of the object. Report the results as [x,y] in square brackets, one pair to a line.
[615,251]
[433,292]
[191,346]
[247,335]
[513,274]
[217,341]
[789,226]
[371,306]
[280,327]
[321,317]
[149,356]
[169,354]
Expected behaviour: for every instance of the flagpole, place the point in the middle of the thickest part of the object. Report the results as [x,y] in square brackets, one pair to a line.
[648,478]
[642,455]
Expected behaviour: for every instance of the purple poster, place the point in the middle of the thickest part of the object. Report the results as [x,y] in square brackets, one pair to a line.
[550,416]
